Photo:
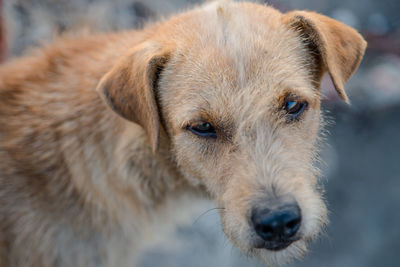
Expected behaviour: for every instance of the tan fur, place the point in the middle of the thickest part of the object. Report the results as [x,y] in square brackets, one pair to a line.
[81,183]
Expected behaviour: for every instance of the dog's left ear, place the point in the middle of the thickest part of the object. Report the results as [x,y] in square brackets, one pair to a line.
[129,87]
[337,47]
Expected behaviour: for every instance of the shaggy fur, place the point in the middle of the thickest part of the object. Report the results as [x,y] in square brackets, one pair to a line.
[86,173]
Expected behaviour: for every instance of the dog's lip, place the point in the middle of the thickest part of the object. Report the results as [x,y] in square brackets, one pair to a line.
[274,246]
[277,247]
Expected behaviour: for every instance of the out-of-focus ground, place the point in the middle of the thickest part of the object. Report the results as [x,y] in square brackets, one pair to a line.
[362,157]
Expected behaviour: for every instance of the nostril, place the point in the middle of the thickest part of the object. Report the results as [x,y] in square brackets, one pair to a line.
[293,223]
[292,227]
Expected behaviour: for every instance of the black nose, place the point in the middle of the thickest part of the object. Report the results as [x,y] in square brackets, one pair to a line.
[277,227]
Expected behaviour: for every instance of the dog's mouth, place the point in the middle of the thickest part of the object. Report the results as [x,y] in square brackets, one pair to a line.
[276,245]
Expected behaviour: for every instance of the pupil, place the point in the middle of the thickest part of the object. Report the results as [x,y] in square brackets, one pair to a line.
[291,104]
[204,126]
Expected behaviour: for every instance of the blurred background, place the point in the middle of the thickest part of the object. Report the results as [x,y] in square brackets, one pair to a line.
[362,155]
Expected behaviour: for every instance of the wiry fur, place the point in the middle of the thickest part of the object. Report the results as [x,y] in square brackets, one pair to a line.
[80,183]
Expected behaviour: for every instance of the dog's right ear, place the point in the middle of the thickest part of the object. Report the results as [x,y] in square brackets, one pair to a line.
[129,87]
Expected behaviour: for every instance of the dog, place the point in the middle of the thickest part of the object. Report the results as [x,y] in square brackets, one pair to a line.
[103,134]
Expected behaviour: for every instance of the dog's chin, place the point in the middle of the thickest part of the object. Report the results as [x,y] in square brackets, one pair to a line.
[278,254]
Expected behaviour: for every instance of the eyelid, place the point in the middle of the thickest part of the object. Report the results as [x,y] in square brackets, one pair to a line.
[197,120]
[188,123]
[293,96]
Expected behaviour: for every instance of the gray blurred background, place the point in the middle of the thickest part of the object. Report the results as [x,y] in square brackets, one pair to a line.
[362,157]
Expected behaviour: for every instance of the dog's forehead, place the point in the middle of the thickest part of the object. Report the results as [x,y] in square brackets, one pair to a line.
[245,43]
[237,49]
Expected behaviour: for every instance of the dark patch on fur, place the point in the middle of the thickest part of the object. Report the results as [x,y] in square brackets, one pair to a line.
[311,42]
[160,65]
[142,11]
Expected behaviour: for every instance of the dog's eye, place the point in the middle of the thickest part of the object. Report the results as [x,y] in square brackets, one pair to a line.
[204,129]
[294,108]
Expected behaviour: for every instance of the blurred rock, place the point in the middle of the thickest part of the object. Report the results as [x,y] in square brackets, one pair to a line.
[378,24]
[385,77]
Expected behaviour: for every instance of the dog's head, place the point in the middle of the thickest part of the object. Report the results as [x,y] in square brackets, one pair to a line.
[235,87]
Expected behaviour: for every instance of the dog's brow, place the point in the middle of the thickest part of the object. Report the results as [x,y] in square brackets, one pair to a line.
[303,94]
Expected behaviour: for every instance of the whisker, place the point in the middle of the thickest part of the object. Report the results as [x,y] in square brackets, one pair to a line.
[207,211]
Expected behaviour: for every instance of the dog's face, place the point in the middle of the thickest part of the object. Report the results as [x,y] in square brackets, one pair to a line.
[245,126]
[237,92]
